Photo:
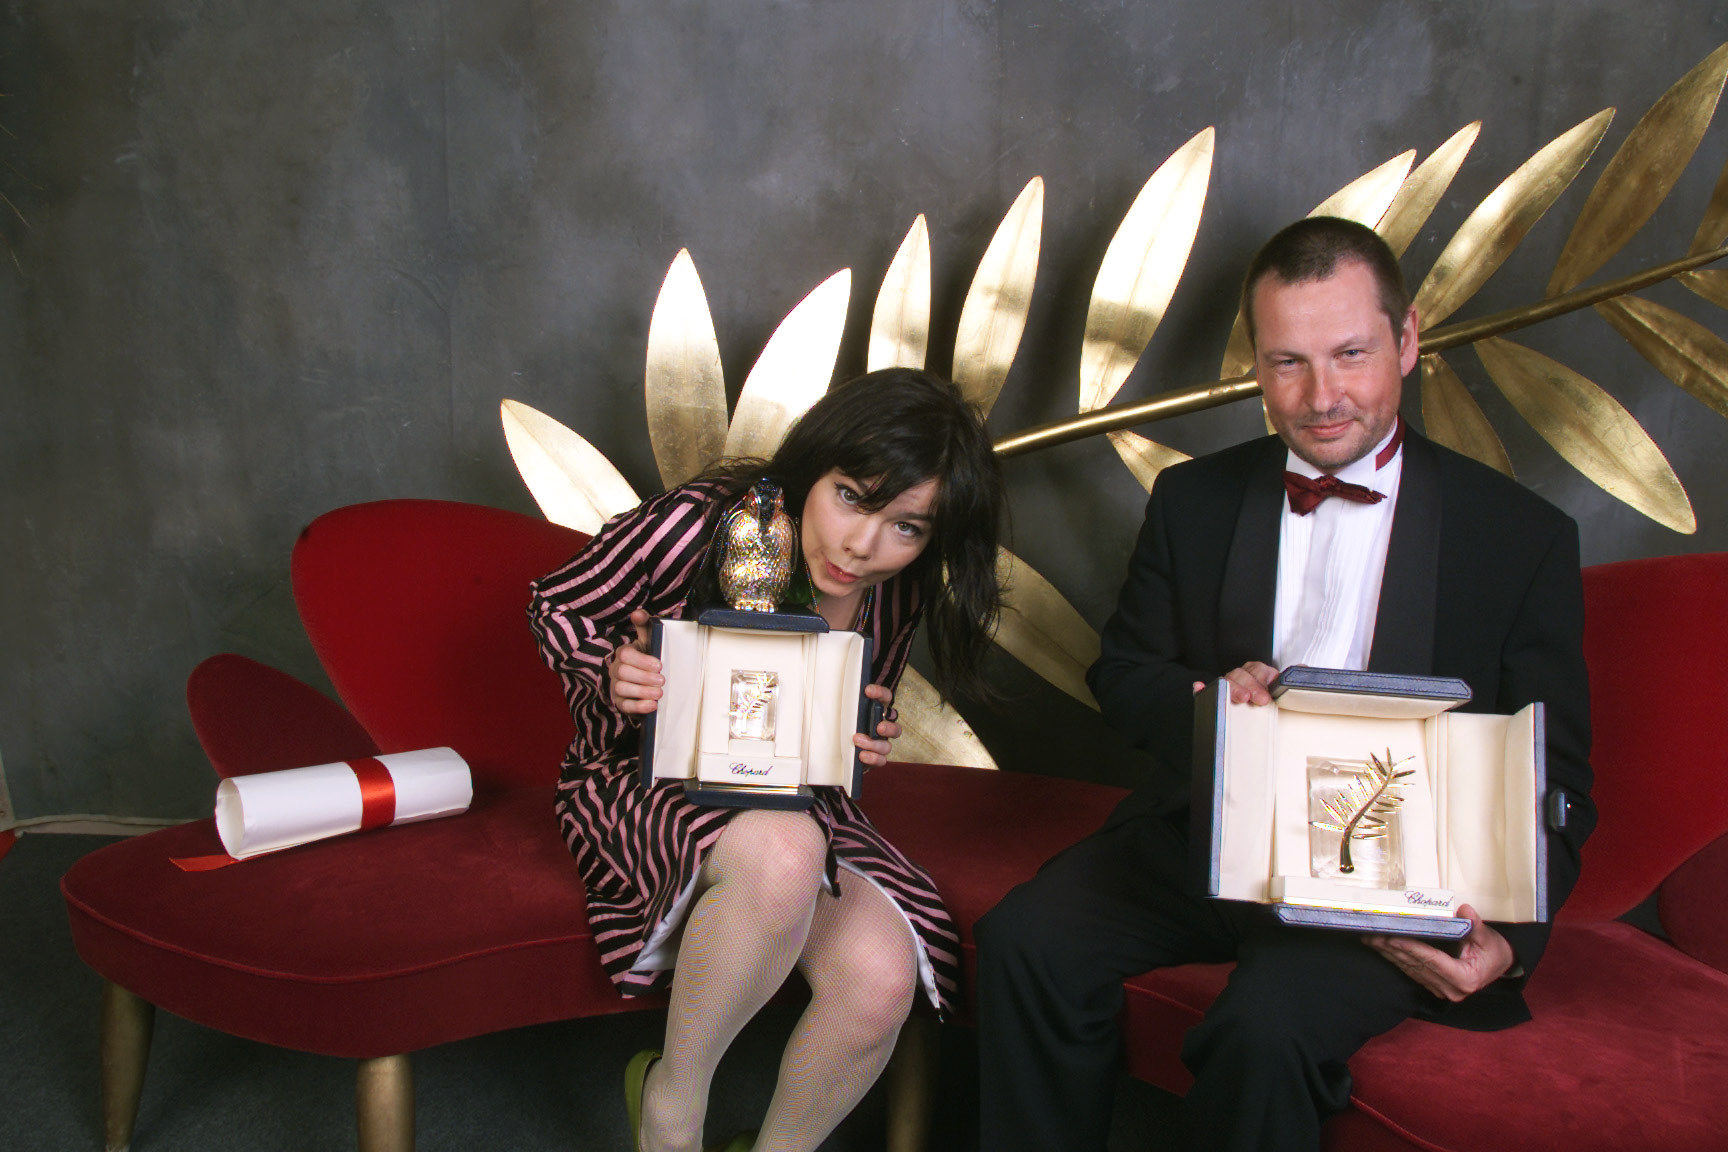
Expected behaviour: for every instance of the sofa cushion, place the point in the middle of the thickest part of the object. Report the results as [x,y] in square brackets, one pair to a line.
[1627,1048]
[339,947]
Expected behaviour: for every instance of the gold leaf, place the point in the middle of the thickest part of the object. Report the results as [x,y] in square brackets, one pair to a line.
[683,386]
[1713,229]
[994,314]
[1418,195]
[1238,352]
[1681,348]
[1497,225]
[793,370]
[1364,200]
[1712,285]
[1642,172]
[1145,458]
[1590,429]
[568,477]
[932,732]
[1451,416]
[900,325]
[1141,268]
[1042,630]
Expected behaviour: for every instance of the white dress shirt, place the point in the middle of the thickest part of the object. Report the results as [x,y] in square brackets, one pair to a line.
[1330,563]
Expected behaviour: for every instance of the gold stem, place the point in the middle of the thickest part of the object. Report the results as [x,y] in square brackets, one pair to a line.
[1513,319]
[1203,396]
[1178,403]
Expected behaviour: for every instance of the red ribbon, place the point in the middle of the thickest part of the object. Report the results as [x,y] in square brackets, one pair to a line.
[202,863]
[377,793]
[377,810]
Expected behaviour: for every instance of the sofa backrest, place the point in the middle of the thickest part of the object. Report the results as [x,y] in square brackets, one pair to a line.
[1655,632]
[252,718]
[416,609]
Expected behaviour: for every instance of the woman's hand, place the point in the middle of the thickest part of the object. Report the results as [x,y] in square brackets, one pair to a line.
[874,753]
[633,677]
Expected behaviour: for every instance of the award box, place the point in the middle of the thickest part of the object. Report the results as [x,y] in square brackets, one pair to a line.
[1363,801]
[757,707]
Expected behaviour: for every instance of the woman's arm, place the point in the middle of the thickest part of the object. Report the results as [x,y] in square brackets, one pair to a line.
[642,559]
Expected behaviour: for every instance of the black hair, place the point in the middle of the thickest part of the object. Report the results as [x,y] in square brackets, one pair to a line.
[894,429]
[1312,249]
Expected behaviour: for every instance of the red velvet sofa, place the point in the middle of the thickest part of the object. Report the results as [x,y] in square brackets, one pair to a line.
[375,945]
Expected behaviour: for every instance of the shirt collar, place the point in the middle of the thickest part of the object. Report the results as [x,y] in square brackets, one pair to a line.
[1361,471]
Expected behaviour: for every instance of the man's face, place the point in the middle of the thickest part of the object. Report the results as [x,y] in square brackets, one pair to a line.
[1329,363]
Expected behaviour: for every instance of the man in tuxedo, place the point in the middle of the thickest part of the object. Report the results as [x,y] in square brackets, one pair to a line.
[1346,541]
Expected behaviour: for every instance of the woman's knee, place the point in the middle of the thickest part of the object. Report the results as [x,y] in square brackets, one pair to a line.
[873,986]
[779,857]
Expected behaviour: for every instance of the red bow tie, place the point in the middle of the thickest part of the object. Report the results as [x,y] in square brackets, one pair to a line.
[1305,494]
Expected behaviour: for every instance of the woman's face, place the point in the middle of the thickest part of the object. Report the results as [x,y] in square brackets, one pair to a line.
[849,549]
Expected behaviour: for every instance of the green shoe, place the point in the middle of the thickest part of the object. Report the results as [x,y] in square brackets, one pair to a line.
[635,1079]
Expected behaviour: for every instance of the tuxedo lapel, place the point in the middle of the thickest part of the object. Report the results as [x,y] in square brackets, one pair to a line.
[1249,592]
[1404,622]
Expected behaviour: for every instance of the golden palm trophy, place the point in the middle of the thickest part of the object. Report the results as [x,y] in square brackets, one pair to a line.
[1368,802]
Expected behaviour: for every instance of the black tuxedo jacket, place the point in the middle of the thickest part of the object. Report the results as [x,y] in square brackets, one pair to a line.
[1481,583]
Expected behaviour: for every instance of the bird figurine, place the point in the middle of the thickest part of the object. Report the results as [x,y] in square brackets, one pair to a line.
[757,541]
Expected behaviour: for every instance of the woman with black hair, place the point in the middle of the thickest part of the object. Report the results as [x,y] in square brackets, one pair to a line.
[899,498]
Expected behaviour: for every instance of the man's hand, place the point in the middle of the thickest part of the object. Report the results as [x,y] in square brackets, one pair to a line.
[1249,683]
[1485,958]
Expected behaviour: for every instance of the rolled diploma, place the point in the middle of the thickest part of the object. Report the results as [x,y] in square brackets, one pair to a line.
[269,811]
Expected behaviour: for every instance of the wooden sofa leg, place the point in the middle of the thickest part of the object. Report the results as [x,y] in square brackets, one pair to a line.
[384,1096]
[912,1084]
[127,1022]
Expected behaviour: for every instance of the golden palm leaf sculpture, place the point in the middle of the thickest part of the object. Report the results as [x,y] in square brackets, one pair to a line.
[1585,425]
[1364,810]
[1136,280]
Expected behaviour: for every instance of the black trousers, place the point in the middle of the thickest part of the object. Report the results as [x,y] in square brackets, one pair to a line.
[1269,1057]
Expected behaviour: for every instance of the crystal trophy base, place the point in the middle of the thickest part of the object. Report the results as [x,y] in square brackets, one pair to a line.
[1355,823]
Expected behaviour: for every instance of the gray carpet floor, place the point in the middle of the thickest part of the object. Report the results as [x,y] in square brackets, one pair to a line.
[549,1087]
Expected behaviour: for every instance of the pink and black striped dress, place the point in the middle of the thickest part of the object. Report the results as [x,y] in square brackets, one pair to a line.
[639,849]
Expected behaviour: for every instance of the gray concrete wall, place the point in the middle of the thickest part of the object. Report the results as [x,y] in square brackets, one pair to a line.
[283,257]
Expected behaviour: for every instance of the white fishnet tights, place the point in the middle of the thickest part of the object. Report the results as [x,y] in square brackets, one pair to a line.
[762,911]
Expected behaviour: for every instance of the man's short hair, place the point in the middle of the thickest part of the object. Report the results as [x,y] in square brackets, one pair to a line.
[1312,249]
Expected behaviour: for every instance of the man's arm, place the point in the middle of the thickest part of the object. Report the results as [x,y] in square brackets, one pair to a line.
[1142,687]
